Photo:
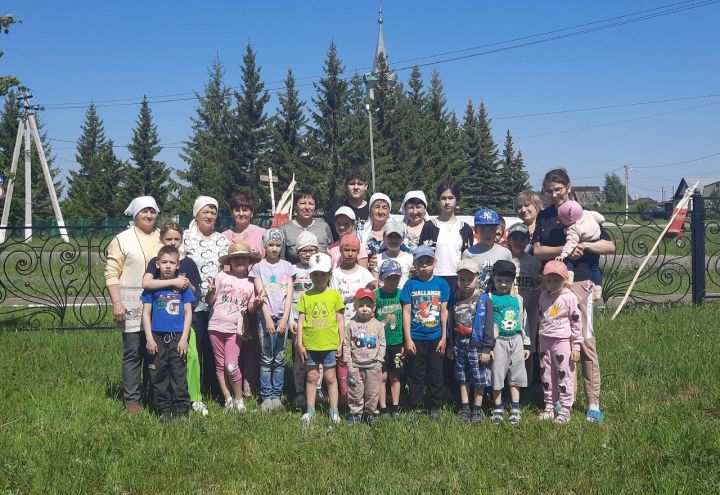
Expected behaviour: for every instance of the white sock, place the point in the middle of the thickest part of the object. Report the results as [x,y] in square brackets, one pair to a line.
[594,407]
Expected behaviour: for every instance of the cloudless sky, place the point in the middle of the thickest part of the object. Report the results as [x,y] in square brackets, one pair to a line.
[81,51]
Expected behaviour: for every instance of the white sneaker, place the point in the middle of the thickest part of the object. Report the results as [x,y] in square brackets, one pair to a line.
[335,418]
[240,406]
[276,403]
[546,415]
[267,405]
[229,404]
[200,408]
[306,418]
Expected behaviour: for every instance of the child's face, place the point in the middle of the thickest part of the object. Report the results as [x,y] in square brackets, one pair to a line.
[272,250]
[239,265]
[343,225]
[349,255]
[517,243]
[486,234]
[425,266]
[447,202]
[356,188]
[503,283]
[171,238]
[390,284]
[499,232]
[305,253]
[364,308]
[167,264]
[320,279]
[553,282]
[467,281]
[393,242]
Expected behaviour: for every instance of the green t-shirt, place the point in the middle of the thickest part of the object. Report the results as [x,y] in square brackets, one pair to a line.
[389,311]
[507,314]
[320,330]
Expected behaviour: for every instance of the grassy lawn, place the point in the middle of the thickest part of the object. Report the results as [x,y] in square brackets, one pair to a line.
[63,429]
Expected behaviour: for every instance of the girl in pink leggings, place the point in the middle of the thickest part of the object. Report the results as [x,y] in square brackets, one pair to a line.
[560,341]
[232,296]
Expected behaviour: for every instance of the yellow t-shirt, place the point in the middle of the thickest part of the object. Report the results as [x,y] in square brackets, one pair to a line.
[320,330]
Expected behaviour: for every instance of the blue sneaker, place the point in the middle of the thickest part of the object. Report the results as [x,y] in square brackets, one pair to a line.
[354,419]
[594,415]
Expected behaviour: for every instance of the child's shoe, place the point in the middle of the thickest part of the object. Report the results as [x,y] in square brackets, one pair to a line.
[200,408]
[498,415]
[353,419]
[240,406]
[334,417]
[563,417]
[514,417]
[434,414]
[594,415]
[229,404]
[478,416]
[546,415]
[464,414]
[166,416]
[267,405]
[307,418]
[276,403]
[373,419]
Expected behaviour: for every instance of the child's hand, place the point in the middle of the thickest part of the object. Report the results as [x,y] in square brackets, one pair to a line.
[440,349]
[526,354]
[559,258]
[301,351]
[485,357]
[293,328]
[212,286]
[372,263]
[575,356]
[282,326]
[338,351]
[410,348]
[269,325]
[151,347]
[182,347]
[450,353]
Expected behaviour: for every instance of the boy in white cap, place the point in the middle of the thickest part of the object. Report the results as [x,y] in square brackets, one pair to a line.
[321,328]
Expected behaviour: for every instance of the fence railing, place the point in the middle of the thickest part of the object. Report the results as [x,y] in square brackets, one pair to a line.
[50,283]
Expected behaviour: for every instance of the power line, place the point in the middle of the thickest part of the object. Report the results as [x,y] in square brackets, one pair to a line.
[621,20]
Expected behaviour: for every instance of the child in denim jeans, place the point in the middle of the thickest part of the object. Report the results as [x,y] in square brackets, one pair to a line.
[273,276]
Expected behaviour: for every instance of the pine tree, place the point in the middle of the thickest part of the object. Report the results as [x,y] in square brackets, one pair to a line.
[443,155]
[513,173]
[331,130]
[251,132]
[356,150]
[415,128]
[491,195]
[95,191]
[41,204]
[208,151]
[148,176]
[290,154]
[473,185]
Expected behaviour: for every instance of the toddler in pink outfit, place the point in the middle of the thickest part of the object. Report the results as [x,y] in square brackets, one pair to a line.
[560,341]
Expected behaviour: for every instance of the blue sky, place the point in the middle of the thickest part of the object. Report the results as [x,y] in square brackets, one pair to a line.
[78,51]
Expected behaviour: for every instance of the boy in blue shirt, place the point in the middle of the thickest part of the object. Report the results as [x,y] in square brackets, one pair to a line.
[167,316]
[424,300]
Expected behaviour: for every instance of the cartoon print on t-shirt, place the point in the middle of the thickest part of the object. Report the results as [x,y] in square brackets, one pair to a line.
[509,321]
[427,310]
[170,303]
[319,314]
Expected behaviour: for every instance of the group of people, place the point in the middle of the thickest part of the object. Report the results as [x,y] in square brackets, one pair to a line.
[368,302]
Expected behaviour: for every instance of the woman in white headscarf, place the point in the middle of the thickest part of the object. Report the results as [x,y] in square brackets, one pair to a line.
[204,246]
[372,235]
[127,258]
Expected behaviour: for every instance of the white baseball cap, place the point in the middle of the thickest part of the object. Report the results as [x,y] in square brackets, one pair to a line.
[347,211]
[320,262]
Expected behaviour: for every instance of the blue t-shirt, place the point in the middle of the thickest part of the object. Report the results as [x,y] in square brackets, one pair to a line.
[168,308]
[425,298]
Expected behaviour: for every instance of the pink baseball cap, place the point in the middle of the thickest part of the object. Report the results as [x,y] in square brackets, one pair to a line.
[556,267]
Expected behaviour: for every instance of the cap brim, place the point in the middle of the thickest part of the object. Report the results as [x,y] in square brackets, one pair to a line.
[253,255]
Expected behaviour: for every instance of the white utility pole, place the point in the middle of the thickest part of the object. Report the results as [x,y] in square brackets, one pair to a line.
[27,133]
[627,189]
[372,147]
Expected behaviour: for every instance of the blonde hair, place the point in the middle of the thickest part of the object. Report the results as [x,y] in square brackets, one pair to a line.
[170,225]
[531,197]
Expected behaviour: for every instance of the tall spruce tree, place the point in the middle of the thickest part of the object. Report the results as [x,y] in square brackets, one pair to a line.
[473,186]
[41,204]
[444,156]
[491,192]
[356,150]
[513,173]
[251,132]
[209,150]
[148,176]
[415,129]
[330,128]
[290,154]
[96,190]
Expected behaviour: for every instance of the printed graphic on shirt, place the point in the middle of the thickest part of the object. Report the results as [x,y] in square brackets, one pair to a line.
[388,315]
[464,312]
[426,308]
[509,321]
[233,300]
[486,267]
[320,314]
[507,315]
[170,303]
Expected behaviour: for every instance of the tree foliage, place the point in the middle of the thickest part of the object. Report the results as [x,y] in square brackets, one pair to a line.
[7,82]
[614,189]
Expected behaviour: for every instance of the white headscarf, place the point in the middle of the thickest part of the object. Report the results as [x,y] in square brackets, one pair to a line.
[369,225]
[414,195]
[139,204]
[200,202]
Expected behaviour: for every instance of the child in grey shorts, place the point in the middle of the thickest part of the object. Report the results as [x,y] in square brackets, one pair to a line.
[512,345]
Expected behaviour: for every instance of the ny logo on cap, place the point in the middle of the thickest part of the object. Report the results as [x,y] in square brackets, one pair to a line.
[487,215]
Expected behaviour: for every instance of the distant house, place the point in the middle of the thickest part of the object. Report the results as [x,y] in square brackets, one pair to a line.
[706,187]
[589,195]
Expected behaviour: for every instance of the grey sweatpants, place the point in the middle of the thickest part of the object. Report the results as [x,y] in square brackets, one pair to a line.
[364,388]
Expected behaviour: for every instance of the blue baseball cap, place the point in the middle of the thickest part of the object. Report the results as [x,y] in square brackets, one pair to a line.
[423,250]
[486,216]
[388,268]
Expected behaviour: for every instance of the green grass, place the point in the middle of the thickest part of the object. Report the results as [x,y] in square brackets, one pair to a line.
[63,429]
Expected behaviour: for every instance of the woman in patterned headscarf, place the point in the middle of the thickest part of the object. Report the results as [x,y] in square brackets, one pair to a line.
[204,246]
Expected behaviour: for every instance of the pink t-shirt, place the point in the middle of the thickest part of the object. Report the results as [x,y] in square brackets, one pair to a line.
[252,235]
[234,295]
[560,317]
[333,250]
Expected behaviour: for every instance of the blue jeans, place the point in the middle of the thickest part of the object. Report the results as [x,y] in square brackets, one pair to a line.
[272,360]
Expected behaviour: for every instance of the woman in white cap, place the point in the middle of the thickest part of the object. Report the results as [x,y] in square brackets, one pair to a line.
[414,208]
[128,256]
[204,246]
[305,209]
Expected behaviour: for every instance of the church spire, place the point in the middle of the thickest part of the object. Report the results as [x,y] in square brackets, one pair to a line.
[371,78]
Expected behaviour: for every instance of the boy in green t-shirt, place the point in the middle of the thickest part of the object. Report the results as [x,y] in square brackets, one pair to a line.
[389,311]
[320,333]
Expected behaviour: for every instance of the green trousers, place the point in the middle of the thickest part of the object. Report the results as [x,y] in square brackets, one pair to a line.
[193,369]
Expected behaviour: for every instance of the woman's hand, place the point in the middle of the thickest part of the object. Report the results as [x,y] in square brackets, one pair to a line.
[119,312]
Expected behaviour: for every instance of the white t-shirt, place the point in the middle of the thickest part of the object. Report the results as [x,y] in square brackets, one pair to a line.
[405,260]
[347,283]
[448,247]
[486,258]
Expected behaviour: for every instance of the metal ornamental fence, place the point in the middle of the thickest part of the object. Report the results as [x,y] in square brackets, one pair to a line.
[53,284]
